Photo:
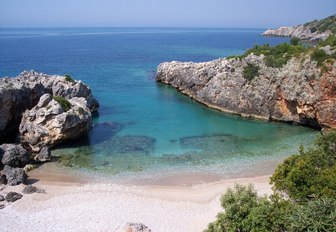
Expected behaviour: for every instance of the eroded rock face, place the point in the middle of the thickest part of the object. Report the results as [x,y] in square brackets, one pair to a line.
[294,93]
[24,92]
[49,123]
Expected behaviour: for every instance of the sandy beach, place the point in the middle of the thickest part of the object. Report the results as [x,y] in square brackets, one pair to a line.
[182,202]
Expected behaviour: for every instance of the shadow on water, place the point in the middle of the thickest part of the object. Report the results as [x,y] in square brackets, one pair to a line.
[99,133]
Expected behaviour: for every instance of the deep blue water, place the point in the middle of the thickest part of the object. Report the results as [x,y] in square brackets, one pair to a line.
[143,126]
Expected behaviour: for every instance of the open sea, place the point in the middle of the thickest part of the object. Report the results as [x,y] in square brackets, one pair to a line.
[144,128]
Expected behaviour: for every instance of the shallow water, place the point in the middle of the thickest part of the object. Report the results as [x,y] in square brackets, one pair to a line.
[145,128]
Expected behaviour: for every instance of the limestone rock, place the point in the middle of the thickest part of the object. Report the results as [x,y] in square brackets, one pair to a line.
[44,155]
[24,92]
[2,198]
[14,176]
[14,155]
[13,196]
[49,123]
[135,227]
[294,93]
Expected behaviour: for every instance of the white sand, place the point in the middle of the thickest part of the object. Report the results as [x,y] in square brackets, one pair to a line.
[74,206]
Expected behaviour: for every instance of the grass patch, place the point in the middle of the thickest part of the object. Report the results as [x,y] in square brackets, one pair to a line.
[65,104]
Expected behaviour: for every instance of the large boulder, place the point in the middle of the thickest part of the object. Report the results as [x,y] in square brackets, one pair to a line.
[23,92]
[14,176]
[54,120]
[14,155]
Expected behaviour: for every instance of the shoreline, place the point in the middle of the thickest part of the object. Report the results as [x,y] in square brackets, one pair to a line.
[76,203]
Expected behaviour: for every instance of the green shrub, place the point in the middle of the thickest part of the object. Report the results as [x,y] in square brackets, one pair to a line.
[311,173]
[313,29]
[65,104]
[237,203]
[278,56]
[316,215]
[246,211]
[322,25]
[319,56]
[295,41]
[331,41]
[251,71]
[81,111]
[308,178]
[69,78]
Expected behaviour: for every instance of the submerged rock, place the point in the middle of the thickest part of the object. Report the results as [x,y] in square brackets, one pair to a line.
[53,121]
[14,176]
[13,196]
[14,155]
[129,145]
[24,92]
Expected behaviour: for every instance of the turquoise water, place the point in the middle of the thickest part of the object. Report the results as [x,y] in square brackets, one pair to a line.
[144,127]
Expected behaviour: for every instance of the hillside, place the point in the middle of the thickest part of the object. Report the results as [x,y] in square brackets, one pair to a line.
[314,30]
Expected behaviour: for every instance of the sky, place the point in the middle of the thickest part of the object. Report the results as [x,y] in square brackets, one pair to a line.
[162,13]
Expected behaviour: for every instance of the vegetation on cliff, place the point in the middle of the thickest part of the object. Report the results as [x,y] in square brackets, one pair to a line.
[327,24]
[304,197]
[278,56]
[65,104]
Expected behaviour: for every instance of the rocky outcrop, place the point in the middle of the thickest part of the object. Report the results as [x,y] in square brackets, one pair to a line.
[14,155]
[53,121]
[297,92]
[23,92]
[14,176]
[300,32]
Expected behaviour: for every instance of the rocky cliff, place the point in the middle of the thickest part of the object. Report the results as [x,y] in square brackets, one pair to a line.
[297,92]
[23,92]
[315,30]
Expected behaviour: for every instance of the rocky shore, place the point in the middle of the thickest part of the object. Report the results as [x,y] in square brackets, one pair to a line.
[37,112]
[299,31]
[298,92]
